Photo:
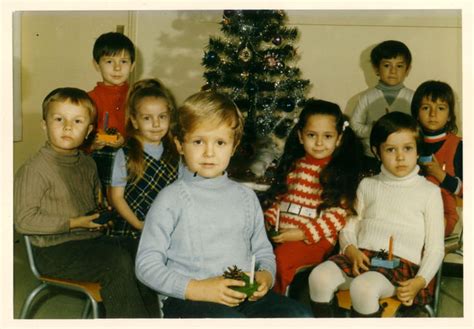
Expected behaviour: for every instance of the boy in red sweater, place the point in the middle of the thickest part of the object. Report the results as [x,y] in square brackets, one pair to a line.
[114,59]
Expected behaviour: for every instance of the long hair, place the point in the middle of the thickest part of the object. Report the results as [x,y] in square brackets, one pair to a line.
[136,159]
[340,178]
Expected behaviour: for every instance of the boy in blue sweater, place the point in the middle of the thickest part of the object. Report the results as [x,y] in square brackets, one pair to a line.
[204,223]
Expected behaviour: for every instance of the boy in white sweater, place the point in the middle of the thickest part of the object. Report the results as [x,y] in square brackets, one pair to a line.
[391,61]
[396,203]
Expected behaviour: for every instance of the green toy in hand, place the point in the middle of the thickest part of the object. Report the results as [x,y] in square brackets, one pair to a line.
[272,232]
[237,274]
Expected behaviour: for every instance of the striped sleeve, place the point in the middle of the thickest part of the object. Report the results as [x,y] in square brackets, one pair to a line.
[327,225]
[271,214]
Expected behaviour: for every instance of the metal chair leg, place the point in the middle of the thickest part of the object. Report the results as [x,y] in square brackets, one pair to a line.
[86,310]
[430,311]
[91,304]
[433,309]
[26,307]
[95,308]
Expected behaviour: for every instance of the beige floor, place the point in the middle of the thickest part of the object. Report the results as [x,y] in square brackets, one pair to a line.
[69,306]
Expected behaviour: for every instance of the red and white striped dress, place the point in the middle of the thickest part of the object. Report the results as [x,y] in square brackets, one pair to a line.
[304,190]
[298,209]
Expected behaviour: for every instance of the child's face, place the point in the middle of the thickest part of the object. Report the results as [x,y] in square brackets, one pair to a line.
[398,154]
[66,126]
[392,71]
[319,136]
[207,149]
[115,69]
[152,119]
[433,115]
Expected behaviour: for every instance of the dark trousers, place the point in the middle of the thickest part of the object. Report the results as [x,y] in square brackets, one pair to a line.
[271,305]
[149,296]
[97,260]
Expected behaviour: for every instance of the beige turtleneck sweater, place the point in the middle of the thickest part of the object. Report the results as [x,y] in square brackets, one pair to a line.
[49,189]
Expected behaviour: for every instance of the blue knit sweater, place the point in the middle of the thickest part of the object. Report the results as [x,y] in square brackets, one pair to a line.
[196,228]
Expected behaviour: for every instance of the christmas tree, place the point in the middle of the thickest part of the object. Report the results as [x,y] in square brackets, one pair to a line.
[252,63]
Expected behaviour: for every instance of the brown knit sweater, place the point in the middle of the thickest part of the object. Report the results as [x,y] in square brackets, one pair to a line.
[50,188]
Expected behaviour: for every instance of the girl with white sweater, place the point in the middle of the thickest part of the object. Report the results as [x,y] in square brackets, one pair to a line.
[396,203]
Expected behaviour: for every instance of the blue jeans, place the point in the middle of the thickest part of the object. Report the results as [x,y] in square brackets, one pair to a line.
[272,305]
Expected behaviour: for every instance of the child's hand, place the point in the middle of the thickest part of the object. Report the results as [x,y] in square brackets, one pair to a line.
[215,290]
[97,144]
[86,222]
[408,289]
[291,234]
[435,169]
[264,279]
[358,259]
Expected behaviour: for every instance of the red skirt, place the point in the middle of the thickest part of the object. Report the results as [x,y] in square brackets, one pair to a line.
[406,270]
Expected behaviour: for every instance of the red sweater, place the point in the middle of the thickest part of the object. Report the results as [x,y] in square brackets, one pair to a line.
[305,190]
[445,156]
[110,99]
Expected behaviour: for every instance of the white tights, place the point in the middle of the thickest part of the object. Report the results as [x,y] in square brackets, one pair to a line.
[366,289]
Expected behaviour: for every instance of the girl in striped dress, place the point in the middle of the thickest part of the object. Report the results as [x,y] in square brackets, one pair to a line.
[314,189]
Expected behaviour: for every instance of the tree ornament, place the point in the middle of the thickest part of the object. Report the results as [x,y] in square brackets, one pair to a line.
[270,61]
[277,40]
[245,54]
[226,21]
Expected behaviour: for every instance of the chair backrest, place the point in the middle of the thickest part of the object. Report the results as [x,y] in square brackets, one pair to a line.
[31,259]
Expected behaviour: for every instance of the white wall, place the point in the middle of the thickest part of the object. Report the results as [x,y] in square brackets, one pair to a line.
[56,51]
[334,49]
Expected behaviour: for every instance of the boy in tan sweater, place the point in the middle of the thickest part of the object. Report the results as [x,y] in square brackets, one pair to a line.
[54,190]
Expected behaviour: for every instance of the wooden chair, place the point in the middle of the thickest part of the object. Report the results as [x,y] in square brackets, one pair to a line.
[392,304]
[90,289]
[390,309]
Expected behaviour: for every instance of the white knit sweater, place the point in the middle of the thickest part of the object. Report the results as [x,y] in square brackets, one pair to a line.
[408,208]
[371,106]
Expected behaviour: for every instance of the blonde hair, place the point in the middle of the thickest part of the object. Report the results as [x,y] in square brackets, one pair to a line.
[75,96]
[139,91]
[207,106]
